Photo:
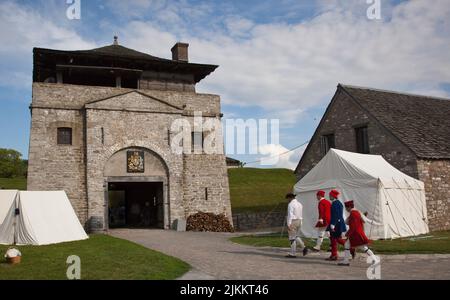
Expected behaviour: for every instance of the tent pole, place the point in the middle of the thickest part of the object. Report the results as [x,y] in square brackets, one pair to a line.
[374,207]
[15,220]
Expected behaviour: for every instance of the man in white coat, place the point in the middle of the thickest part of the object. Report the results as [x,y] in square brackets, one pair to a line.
[294,224]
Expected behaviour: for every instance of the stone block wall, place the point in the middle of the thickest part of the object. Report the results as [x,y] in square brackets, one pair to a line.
[261,220]
[106,120]
[205,182]
[436,176]
[58,167]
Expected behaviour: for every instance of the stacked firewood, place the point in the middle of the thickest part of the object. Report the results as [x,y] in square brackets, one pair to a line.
[208,222]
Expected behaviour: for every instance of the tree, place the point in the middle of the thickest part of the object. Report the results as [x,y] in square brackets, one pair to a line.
[12,164]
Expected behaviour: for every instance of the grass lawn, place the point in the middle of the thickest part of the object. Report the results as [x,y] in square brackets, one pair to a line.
[102,257]
[434,242]
[13,183]
[253,190]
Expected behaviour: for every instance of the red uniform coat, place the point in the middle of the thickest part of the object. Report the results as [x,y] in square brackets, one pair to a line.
[356,233]
[324,213]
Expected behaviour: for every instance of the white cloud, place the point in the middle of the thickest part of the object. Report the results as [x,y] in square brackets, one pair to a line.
[238,26]
[22,29]
[277,156]
[288,68]
[283,68]
[134,8]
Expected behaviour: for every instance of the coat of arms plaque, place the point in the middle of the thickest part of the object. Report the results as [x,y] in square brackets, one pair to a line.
[135,161]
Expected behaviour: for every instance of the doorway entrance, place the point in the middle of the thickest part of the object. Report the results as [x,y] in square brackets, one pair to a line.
[135,205]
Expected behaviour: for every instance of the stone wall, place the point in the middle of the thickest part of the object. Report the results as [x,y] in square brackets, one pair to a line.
[126,130]
[205,184]
[343,117]
[106,120]
[58,167]
[261,220]
[69,96]
[436,176]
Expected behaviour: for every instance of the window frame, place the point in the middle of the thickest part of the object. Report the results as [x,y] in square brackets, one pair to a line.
[193,133]
[61,136]
[362,139]
[325,142]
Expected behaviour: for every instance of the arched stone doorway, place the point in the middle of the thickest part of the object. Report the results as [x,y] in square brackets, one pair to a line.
[136,194]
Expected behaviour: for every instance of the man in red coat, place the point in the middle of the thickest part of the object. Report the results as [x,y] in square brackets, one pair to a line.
[324,218]
[356,237]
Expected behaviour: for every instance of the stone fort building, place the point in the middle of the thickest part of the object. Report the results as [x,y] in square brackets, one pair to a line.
[101,131]
[412,132]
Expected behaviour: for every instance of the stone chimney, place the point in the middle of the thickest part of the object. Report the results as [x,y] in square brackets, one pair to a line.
[180,52]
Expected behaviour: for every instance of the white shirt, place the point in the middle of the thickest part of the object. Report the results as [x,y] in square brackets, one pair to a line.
[295,211]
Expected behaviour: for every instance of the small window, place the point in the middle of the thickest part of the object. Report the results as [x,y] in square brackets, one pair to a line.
[64,136]
[197,140]
[327,142]
[362,140]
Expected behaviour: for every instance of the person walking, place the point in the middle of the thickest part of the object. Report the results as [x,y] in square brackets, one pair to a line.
[294,223]
[324,207]
[337,225]
[356,237]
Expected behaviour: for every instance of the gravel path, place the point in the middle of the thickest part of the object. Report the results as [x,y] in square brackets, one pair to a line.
[213,256]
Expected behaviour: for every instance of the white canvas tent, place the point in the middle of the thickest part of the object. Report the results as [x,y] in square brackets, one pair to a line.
[390,197]
[37,218]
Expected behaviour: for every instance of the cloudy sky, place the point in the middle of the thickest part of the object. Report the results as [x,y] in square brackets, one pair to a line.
[279,59]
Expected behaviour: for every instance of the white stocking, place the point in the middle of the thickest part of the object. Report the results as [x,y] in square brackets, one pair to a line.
[347,253]
[293,247]
[300,242]
[370,253]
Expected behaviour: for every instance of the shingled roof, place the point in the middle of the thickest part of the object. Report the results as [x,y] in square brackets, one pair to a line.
[120,51]
[115,55]
[422,123]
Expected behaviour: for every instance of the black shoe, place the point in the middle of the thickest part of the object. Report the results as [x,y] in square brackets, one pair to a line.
[305,251]
[344,264]
[313,249]
[291,256]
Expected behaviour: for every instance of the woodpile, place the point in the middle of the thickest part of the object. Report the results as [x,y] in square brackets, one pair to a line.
[208,222]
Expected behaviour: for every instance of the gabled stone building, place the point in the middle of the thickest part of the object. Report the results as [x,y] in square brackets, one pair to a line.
[411,132]
[101,131]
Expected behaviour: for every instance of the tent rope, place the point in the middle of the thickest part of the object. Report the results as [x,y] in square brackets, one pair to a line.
[392,215]
[400,215]
[424,218]
[404,194]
